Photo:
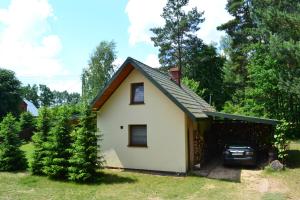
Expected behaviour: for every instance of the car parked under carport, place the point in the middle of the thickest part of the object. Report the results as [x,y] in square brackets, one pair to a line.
[236,130]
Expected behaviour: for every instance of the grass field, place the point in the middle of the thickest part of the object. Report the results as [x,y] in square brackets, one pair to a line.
[131,185]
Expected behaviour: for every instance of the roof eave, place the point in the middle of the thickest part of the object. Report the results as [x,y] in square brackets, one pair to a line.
[242,118]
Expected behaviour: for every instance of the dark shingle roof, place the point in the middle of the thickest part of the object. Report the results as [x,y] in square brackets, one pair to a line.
[182,96]
[187,100]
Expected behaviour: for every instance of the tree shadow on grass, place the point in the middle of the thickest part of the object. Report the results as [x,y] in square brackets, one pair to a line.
[111,178]
[100,178]
[293,159]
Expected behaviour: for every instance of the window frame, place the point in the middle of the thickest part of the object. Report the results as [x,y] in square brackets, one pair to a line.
[130,144]
[133,85]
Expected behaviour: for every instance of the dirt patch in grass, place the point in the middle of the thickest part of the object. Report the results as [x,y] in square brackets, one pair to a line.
[264,187]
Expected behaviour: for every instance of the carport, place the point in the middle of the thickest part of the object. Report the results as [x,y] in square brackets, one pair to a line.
[223,128]
[230,128]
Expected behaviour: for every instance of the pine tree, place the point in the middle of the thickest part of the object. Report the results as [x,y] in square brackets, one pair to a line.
[27,125]
[179,32]
[83,162]
[11,157]
[58,144]
[39,139]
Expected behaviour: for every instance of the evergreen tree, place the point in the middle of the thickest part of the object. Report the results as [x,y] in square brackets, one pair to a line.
[39,140]
[83,162]
[11,157]
[58,144]
[27,125]
[178,33]
[239,33]
[272,54]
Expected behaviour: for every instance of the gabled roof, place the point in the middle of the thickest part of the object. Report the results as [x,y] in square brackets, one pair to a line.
[31,108]
[188,101]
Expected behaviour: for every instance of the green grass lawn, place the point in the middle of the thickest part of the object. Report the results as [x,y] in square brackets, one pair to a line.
[131,185]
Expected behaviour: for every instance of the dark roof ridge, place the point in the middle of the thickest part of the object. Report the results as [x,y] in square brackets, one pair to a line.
[184,88]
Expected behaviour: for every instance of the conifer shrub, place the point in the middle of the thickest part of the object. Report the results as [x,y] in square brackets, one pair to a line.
[12,158]
[39,140]
[83,161]
[27,125]
[57,154]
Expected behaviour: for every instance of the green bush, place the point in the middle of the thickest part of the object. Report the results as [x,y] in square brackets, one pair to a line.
[280,140]
[58,144]
[11,157]
[39,139]
[83,162]
[27,125]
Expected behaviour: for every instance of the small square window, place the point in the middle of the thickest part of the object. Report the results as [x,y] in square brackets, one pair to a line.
[137,93]
[138,135]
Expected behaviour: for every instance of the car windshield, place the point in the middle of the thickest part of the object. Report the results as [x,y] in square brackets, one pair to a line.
[238,146]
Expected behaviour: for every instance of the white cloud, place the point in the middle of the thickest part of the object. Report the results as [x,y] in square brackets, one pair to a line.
[117,63]
[26,46]
[68,85]
[214,14]
[144,14]
[152,61]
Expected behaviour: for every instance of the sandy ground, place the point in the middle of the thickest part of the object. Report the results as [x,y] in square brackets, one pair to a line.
[251,183]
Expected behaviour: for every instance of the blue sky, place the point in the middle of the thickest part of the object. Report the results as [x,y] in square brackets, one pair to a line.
[50,41]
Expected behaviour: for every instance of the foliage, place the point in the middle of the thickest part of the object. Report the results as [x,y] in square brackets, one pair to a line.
[27,125]
[58,144]
[83,161]
[193,85]
[31,94]
[46,95]
[205,66]
[9,93]
[99,71]
[43,96]
[178,33]
[179,46]
[39,140]
[61,98]
[280,140]
[238,38]
[265,35]
[11,157]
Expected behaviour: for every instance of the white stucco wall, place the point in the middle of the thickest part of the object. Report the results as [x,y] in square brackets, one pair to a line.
[166,129]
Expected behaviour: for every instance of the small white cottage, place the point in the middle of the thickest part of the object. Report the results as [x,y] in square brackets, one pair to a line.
[149,121]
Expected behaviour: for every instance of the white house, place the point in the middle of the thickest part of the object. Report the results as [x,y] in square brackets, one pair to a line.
[149,121]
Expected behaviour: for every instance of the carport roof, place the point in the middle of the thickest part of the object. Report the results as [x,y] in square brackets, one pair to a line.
[242,118]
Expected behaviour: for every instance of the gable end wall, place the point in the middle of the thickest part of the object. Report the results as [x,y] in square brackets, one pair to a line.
[166,129]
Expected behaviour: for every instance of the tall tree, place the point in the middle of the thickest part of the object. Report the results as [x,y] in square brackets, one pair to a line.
[46,95]
[174,38]
[239,34]
[9,93]
[99,71]
[206,67]
[11,157]
[60,98]
[273,61]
